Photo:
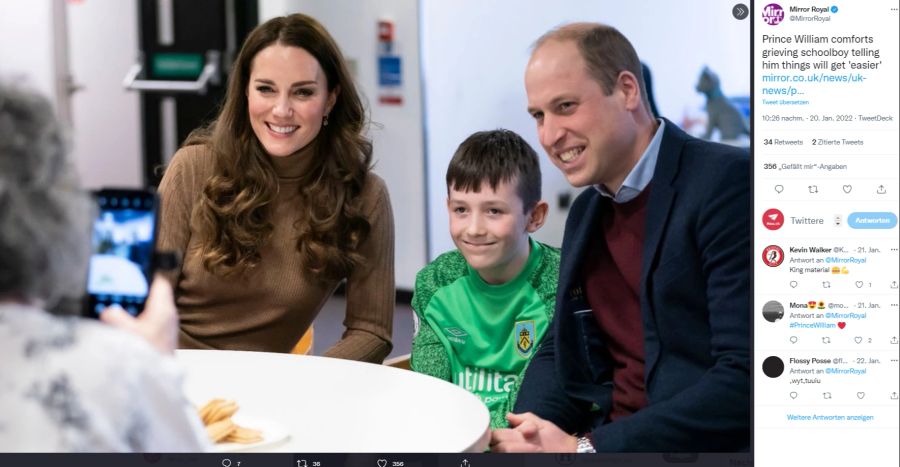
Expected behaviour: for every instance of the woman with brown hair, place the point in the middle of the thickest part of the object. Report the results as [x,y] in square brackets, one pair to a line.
[274,204]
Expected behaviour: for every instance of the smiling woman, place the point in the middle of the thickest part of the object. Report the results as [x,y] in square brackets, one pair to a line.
[286,115]
[273,204]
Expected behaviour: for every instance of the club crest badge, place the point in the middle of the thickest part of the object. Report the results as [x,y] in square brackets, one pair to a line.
[524,338]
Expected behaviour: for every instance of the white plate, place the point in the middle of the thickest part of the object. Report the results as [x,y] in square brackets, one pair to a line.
[272,433]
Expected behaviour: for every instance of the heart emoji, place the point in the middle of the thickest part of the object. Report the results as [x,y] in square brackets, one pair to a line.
[859,284]
[858,339]
[841,324]
[381,462]
[779,188]
[860,395]
[793,284]
[793,395]
[848,188]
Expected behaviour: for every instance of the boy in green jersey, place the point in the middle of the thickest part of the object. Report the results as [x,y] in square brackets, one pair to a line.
[482,309]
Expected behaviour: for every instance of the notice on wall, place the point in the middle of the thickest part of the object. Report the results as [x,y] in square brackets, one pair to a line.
[390,66]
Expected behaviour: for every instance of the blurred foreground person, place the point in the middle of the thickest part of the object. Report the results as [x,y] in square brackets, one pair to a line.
[69,384]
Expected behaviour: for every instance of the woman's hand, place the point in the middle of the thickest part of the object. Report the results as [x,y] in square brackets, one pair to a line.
[158,323]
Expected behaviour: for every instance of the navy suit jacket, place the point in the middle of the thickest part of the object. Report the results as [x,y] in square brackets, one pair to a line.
[695,306]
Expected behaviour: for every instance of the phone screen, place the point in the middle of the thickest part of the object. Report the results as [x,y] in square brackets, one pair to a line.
[123,245]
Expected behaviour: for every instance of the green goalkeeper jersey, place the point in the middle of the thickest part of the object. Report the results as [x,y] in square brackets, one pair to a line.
[482,336]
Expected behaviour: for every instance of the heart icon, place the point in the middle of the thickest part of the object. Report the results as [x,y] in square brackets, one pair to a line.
[860,395]
[858,339]
[793,395]
[848,188]
[793,339]
[841,324]
[859,284]
[793,284]
[381,462]
[779,188]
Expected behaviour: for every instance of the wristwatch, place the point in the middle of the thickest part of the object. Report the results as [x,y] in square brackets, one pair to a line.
[585,446]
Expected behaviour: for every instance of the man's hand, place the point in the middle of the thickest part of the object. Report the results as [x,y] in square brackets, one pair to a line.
[530,433]
[158,323]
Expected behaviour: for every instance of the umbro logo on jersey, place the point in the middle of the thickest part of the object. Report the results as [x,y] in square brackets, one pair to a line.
[455,334]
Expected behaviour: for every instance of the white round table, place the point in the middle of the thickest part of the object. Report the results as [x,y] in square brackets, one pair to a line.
[332,405]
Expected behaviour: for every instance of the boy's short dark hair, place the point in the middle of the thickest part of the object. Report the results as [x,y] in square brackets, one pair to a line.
[495,156]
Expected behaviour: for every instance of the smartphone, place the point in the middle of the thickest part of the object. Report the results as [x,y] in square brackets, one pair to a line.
[123,247]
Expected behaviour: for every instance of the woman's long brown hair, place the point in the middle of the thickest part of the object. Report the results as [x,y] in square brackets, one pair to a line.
[233,212]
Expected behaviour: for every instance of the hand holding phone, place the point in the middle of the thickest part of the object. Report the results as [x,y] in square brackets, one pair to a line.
[158,324]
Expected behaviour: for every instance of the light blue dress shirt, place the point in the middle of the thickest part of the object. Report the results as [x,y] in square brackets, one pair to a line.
[640,174]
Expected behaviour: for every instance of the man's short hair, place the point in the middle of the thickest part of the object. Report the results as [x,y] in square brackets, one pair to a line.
[606,51]
[495,156]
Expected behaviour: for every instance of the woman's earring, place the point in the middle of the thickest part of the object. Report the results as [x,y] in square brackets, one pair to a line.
[325,120]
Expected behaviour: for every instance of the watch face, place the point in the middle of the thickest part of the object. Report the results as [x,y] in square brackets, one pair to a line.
[585,446]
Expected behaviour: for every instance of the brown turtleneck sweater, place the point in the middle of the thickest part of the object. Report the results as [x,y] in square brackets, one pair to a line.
[270,306]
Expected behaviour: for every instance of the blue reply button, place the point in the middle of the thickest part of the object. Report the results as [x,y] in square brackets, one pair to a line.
[872,220]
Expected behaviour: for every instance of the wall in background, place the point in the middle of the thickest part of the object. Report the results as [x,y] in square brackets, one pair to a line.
[36,51]
[103,44]
[473,61]
[26,27]
[397,134]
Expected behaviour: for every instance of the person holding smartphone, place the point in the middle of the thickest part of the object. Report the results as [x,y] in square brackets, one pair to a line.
[70,384]
[274,204]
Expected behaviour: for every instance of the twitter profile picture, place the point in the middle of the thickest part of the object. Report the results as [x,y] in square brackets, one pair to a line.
[773,367]
[773,311]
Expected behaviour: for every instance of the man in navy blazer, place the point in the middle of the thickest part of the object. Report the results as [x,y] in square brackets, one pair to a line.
[650,345]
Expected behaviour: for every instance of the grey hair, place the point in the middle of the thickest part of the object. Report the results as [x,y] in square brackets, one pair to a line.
[44,214]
